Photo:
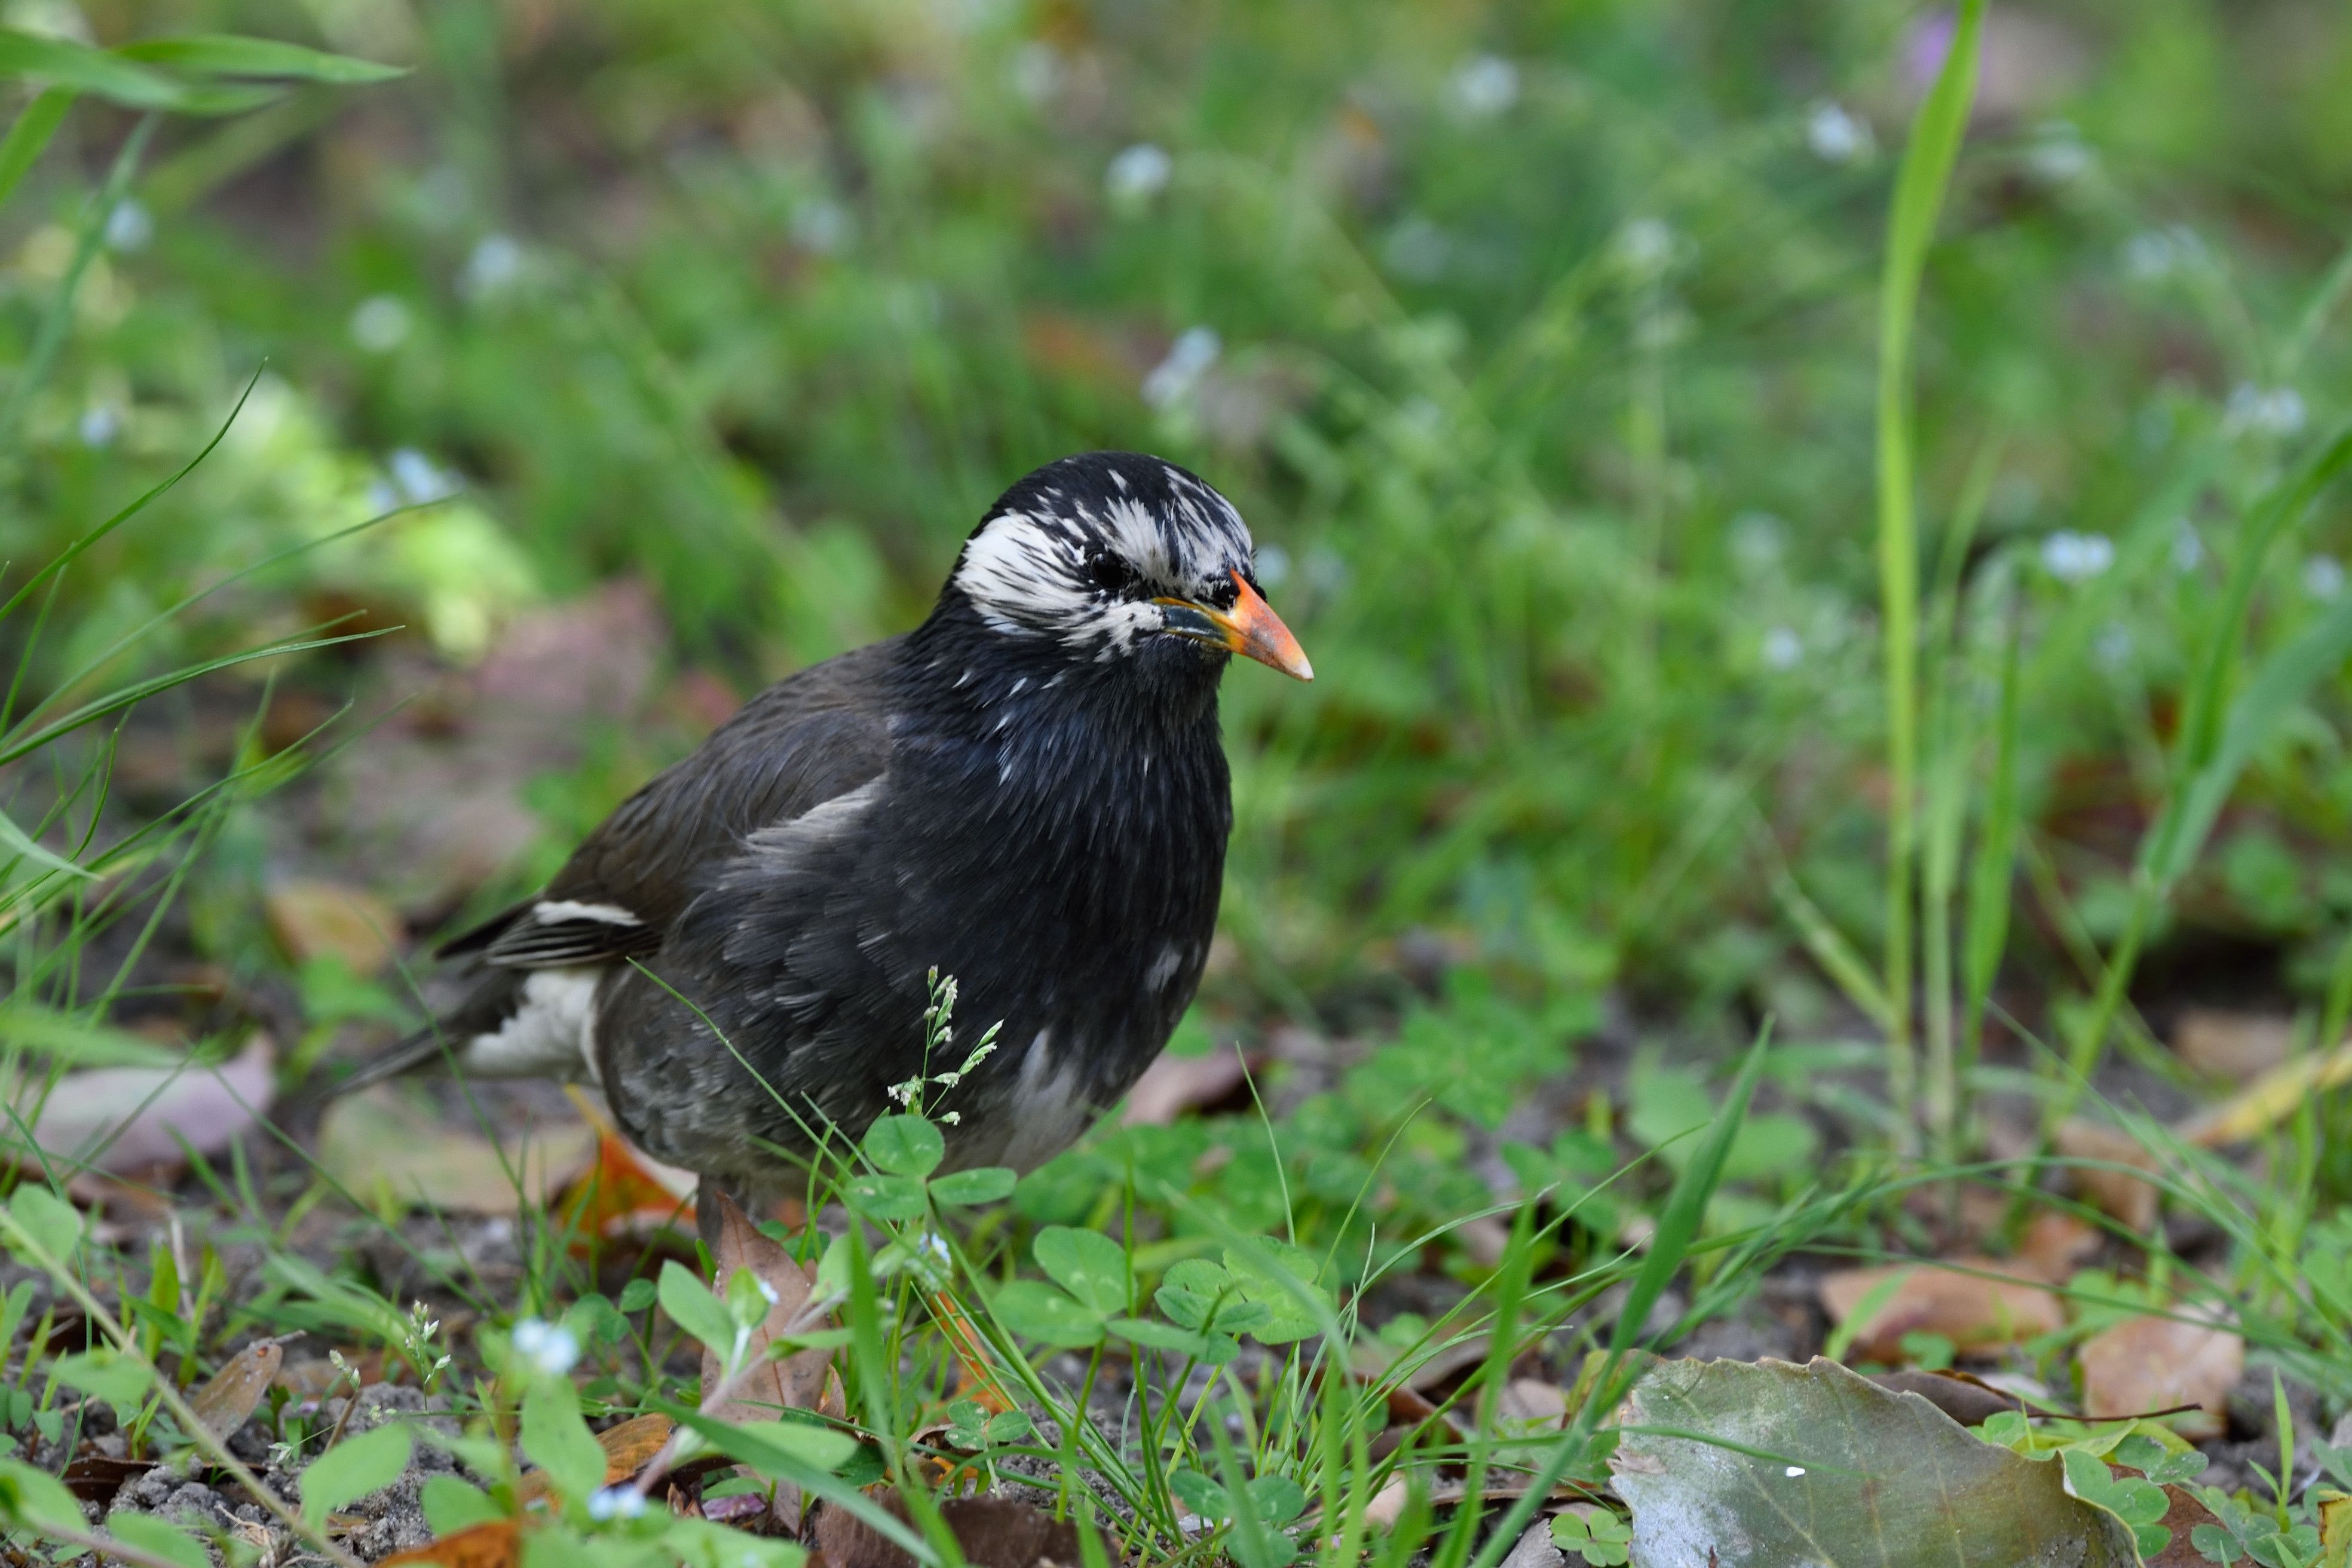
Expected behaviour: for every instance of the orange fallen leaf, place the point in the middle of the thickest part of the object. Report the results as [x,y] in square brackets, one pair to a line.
[801,1381]
[2153,1363]
[328,919]
[1975,1302]
[2055,1245]
[494,1543]
[2117,1193]
[624,1193]
[235,1392]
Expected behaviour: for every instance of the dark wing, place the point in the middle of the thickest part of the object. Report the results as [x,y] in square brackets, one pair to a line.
[807,740]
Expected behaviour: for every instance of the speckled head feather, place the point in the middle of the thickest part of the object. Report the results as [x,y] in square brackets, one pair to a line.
[1078,550]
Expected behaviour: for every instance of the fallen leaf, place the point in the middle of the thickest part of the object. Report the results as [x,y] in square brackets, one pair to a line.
[494,1543]
[2268,1099]
[993,1531]
[1530,1403]
[801,1381]
[628,1448]
[328,919]
[2239,1047]
[1966,1400]
[124,1119]
[231,1395]
[2118,1195]
[1842,1449]
[94,1476]
[626,1193]
[382,1143]
[1174,1085]
[2182,1516]
[1975,1311]
[1534,1548]
[2153,1363]
[2055,1245]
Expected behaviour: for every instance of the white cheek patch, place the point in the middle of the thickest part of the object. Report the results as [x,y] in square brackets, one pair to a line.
[1022,577]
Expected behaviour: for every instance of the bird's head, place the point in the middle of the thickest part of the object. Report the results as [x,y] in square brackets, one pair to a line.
[1115,556]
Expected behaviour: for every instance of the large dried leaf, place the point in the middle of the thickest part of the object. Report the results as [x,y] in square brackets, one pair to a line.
[993,1531]
[2268,1099]
[2150,1363]
[1975,1302]
[2118,1195]
[379,1144]
[495,1543]
[801,1381]
[1859,1477]
[134,1119]
[1174,1085]
[629,1449]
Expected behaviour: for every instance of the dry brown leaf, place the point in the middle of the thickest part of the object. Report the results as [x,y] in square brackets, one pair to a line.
[382,1143]
[2239,1047]
[994,1532]
[1530,1402]
[232,1393]
[802,1381]
[2182,1517]
[496,1544]
[2117,1193]
[2150,1363]
[2055,1245]
[628,1448]
[1977,1309]
[1174,1085]
[328,919]
[124,1120]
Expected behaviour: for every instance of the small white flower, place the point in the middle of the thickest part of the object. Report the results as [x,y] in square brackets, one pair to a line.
[380,324]
[2059,156]
[1037,71]
[550,1347]
[766,1291]
[1836,135]
[418,480]
[1417,249]
[2263,411]
[1484,86]
[1188,359]
[2113,646]
[1645,244]
[1138,174]
[820,225]
[1784,647]
[2075,557]
[2322,576]
[1793,1472]
[616,1502]
[1273,565]
[936,1245]
[496,263]
[1758,540]
[99,426]
[2188,545]
[129,226]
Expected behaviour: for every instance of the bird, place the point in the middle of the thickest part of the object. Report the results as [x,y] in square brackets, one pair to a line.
[1027,793]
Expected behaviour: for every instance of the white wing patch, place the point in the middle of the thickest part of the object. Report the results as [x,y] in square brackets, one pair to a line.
[551,1034]
[555,911]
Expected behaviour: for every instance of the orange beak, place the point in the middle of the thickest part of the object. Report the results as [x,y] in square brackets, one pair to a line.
[1250,628]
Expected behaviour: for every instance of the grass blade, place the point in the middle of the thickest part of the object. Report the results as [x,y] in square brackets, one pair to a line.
[1919,189]
[1678,1231]
[30,135]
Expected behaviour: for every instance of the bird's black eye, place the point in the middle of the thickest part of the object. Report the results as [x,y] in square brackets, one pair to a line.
[1111,574]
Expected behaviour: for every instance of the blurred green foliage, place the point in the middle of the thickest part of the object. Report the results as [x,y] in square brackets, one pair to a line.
[1535,340]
